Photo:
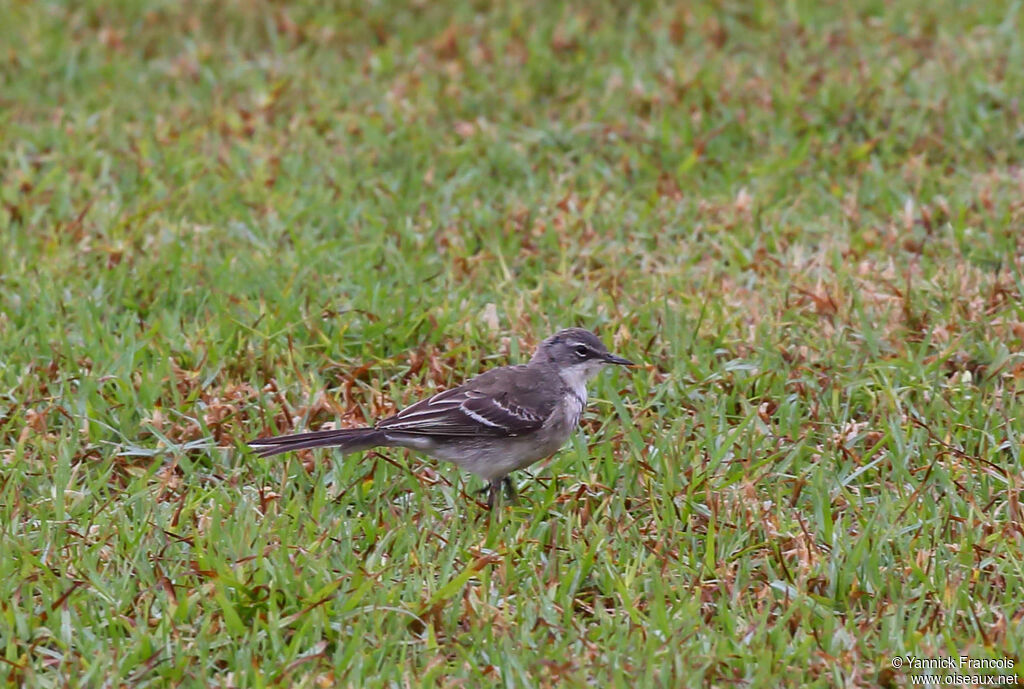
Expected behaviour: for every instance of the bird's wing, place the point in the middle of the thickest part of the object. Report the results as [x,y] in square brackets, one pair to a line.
[502,402]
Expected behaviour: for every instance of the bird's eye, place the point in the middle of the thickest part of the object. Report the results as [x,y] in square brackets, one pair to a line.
[581,351]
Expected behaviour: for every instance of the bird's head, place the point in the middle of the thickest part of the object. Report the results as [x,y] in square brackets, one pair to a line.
[577,354]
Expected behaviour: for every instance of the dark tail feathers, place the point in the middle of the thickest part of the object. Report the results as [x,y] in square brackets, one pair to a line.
[347,439]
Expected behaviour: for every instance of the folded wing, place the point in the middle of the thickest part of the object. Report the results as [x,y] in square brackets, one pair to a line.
[490,405]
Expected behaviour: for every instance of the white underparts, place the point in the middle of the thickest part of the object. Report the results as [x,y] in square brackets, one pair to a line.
[576,376]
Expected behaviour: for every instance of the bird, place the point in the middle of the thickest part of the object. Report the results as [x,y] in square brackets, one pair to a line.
[501,420]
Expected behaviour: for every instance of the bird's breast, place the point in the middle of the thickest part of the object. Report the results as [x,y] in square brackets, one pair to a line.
[573,410]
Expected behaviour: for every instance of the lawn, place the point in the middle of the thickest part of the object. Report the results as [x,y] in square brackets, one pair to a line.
[224,220]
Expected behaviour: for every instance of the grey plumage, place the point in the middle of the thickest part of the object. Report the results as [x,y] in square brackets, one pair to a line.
[501,420]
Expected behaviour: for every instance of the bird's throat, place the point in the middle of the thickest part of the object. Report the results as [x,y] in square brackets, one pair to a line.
[575,378]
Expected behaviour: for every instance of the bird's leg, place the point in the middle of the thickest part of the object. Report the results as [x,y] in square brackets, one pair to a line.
[510,489]
[493,488]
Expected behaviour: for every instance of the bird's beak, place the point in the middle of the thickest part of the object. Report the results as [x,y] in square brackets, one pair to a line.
[612,359]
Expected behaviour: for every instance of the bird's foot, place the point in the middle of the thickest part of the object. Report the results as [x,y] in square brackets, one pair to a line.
[510,490]
[493,489]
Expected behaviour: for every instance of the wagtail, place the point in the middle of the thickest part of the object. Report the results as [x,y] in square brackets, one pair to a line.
[501,420]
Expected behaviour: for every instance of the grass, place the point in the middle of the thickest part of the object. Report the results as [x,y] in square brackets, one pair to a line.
[222,220]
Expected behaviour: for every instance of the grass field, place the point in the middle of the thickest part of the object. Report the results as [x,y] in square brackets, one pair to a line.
[222,220]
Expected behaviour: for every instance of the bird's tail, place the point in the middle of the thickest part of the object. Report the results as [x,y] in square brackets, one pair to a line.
[347,439]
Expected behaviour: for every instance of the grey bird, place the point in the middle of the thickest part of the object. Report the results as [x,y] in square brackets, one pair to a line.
[501,420]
